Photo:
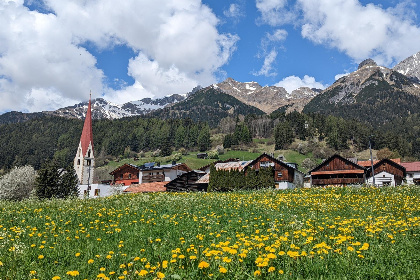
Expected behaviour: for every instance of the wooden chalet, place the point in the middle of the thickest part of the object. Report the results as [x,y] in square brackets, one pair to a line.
[337,171]
[387,173]
[126,175]
[286,175]
[187,182]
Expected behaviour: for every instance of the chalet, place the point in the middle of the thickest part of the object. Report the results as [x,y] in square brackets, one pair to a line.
[187,182]
[337,171]
[387,173]
[413,172]
[128,174]
[286,175]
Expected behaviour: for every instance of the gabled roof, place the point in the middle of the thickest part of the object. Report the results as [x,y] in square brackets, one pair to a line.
[124,166]
[87,136]
[217,161]
[147,187]
[288,166]
[339,157]
[411,166]
[390,162]
[368,163]
[232,165]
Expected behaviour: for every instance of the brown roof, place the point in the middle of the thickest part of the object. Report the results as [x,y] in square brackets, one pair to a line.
[147,187]
[367,163]
[204,180]
[411,166]
[232,165]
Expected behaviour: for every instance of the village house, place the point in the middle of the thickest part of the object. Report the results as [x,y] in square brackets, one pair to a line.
[412,172]
[188,182]
[388,172]
[129,174]
[337,171]
[286,175]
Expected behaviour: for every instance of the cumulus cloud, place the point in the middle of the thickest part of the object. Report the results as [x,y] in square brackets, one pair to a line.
[177,45]
[360,31]
[293,82]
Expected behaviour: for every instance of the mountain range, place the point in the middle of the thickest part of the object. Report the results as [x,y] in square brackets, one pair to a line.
[372,93]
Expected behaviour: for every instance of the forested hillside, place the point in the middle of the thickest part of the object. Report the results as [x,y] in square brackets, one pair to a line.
[41,139]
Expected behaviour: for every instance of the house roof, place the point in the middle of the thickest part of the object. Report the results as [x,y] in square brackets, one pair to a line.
[147,187]
[87,136]
[124,166]
[339,157]
[411,166]
[368,163]
[232,165]
[287,165]
[204,180]
[217,161]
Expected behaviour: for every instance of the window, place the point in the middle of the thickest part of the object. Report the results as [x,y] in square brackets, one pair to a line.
[78,161]
[97,191]
[89,154]
[121,176]
[265,164]
[129,176]
[279,174]
[88,162]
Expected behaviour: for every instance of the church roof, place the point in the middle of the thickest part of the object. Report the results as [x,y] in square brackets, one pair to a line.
[87,135]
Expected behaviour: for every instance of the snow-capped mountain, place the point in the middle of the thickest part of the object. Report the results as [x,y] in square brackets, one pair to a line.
[102,109]
[410,66]
[267,99]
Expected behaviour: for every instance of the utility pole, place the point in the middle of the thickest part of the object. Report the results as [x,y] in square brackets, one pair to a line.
[371,160]
[89,161]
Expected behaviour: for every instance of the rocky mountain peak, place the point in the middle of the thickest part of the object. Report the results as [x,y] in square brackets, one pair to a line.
[367,62]
[410,66]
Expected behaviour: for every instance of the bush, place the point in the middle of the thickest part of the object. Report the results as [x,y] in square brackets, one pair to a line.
[53,181]
[18,183]
[213,154]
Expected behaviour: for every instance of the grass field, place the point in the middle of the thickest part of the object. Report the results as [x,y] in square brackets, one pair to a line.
[330,233]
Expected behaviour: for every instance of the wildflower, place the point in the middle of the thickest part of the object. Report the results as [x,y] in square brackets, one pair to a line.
[203,264]
[351,249]
[193,257]
[90,261]
[164,264]
[73,273]
[108,257]
[32,272]
[257,273]
[77,254]
[40,257]
[143,272]
[56,278]
[181,257]
[160,275]
[222,269]
[271,269]
[281,271]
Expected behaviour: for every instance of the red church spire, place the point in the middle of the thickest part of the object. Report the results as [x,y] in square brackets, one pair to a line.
[87,135]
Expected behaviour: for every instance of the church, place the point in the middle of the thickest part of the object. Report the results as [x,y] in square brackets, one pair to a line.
[84,162]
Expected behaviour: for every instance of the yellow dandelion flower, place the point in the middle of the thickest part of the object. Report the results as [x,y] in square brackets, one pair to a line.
[90,261]
[160,275]
[271,269]
[193,257]
[73,273]
[281,271]
[349,248]
[56,278]
[164,264]
[181,257]
[257,273]
[143,272]
[203,264]
[222,269]
[40,257]
[77,254]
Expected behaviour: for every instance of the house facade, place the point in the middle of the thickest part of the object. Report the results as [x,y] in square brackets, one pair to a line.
[412,172]
[337,171]
[387,173]
[286,175]
[128,174]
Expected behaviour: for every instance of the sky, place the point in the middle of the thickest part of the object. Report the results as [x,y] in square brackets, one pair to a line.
[53,53]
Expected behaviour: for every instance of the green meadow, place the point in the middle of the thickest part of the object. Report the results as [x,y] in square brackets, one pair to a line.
[328,233]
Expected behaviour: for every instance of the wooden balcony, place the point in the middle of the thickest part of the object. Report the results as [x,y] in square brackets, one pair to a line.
[153,178]
[337,181]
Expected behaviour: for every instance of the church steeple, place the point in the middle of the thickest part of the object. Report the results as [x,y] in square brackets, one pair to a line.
[84,161]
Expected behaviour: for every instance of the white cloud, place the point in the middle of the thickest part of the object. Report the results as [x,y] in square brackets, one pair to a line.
[267,68]
[235,11]
[275,12]
[293,82]
[386,35]
[42,51]
[277,36]
[338,76]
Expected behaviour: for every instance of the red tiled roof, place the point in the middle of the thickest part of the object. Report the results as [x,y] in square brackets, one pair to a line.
[87,135]
[147,187]
[367,163]
[411,166]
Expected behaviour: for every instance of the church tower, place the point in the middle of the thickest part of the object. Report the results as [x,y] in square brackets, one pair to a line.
[84,161]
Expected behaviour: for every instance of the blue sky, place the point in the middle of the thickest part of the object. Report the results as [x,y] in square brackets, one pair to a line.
[53,52]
